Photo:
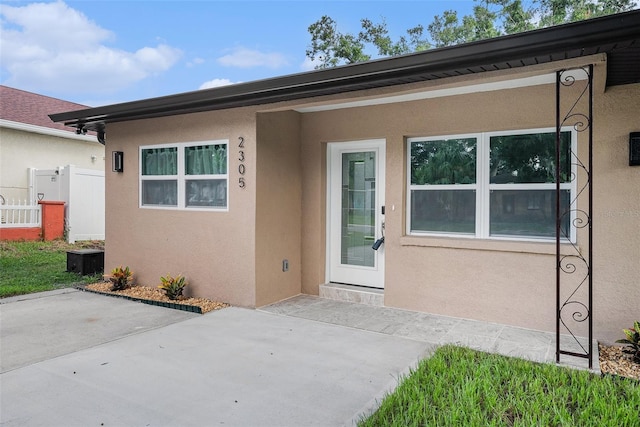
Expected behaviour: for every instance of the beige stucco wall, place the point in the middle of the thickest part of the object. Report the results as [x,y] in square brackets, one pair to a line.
[616,223]
[473,283]
[233,256]
[236,256]
[278,207]
[21,150]
[505,282]
[214,250]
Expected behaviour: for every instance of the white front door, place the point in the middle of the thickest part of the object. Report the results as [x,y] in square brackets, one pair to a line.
[355,212]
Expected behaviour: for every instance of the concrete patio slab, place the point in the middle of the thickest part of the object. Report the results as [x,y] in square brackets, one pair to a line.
[76,359]
[44,325]
[234,367]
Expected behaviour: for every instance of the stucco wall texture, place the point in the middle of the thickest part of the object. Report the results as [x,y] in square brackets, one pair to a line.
[236,256]
[278,207]
[214,250]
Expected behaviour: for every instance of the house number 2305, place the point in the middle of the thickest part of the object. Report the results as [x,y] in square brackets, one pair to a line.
[241,167]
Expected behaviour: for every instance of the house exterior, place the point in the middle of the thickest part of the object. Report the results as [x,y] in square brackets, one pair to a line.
[264,190]
[40,159]
[29,140]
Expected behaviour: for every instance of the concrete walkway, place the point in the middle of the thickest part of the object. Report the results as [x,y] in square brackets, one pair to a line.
[511,341]
[233,367]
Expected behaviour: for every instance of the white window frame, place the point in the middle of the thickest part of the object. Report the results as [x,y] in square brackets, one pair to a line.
[182,177]
[483,187]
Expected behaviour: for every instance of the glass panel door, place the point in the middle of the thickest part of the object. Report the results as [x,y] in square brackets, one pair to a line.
[355,216]
[358,208]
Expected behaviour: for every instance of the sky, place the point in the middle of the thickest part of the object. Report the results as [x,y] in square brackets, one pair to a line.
[100,52]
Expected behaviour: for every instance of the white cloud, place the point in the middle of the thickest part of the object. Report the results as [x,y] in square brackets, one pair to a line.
[246,58]
[216,83]
[195,61]
[308,64]
[50,46]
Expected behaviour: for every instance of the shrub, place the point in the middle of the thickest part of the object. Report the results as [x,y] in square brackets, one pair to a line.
[632,341]
[173,286]
[121,278]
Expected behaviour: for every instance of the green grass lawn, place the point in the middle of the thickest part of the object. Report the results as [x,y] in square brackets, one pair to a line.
[461,387]
[27,267]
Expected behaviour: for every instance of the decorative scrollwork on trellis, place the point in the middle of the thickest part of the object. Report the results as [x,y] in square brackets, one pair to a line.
[569,265]
[580,315]
[573,263]
[579,125]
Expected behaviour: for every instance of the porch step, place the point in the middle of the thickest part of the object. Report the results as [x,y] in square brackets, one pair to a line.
[350,293]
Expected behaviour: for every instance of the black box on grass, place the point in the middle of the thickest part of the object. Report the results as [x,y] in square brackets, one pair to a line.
[85,261]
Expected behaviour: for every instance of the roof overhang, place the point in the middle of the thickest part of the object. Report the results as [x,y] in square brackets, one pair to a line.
[616,35]
[441,91]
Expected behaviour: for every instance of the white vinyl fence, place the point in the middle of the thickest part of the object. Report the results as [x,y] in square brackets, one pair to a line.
[83,192]
[21,214]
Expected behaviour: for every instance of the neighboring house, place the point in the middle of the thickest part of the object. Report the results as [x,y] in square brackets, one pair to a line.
[40,160]
[263,190]
[30,140]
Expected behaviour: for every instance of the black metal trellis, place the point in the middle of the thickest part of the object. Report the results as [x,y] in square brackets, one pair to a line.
[574,265]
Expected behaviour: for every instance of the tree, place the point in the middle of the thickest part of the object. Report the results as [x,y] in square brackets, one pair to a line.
[378,34]
[515,18]
[555,12]
[330,47]
[446,30]
[490,18]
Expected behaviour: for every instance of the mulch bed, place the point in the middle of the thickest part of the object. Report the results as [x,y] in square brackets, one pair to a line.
[155,296]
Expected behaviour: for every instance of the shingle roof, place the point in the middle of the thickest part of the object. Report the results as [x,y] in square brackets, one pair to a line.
[33,109]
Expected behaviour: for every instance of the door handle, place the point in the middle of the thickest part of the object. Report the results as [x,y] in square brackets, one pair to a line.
[376,245]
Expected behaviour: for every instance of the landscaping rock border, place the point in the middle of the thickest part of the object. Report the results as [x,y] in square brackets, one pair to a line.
[194,305]
[615,362]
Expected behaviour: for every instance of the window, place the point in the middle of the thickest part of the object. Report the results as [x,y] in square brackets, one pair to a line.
[443,185]
[184,176]
[489,185]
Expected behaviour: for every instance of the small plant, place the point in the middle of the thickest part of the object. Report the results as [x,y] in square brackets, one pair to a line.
[173,286]
[632,341]
[121,278]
